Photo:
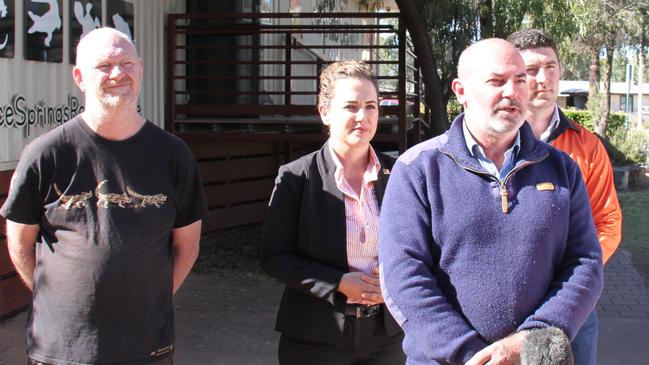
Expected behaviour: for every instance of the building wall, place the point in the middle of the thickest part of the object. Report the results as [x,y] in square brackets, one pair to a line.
[150,36]
[52,83]
[313,54]
[37,81]
[618,104]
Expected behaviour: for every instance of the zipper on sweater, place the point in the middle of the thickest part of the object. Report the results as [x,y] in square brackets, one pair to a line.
[503,197]
[504,201]
[503,184]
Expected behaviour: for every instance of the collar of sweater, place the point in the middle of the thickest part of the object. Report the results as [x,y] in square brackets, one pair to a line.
[531,150]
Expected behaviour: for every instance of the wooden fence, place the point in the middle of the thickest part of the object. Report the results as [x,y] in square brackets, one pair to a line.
[238,177]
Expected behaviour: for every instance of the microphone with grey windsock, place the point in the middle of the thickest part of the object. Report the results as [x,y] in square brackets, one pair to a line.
[546,346]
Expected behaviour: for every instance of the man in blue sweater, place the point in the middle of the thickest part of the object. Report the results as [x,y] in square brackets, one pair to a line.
[485,232]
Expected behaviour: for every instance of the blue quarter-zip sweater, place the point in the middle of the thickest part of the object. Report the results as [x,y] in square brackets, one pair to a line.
[466,259]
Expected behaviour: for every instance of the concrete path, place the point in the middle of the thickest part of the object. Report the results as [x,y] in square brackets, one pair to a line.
[219,322]
[231,322]
[623,311]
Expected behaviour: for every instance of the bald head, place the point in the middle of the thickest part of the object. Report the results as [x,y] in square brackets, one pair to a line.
[490,51]
[102,38]
[108,71]
[492,88]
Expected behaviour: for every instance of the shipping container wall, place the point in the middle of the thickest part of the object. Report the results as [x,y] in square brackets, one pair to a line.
[36,96]
[29,88]
[150,39]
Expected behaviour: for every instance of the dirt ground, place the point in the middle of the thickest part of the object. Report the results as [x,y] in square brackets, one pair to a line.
[238,325]
[222,320]
[218,321]
[225,311]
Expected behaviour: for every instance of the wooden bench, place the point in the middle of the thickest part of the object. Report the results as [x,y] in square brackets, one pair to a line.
[629,176]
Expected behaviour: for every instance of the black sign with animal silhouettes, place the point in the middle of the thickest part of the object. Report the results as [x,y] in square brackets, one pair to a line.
[7,26]
[85,15]
[120,16]
[44,30]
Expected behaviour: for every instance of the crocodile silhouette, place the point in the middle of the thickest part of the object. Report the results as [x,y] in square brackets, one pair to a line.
[46,23]
[72,201]
[128,199]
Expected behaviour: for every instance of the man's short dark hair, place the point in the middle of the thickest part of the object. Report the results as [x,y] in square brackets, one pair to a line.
[532,38]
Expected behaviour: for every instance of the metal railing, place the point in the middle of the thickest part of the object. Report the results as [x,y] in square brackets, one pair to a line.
[254,76]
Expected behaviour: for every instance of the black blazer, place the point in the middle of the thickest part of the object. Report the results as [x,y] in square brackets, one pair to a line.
[305,247]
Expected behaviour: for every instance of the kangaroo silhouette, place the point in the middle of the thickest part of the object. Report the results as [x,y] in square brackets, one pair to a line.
[87,21]
[46,23]
[122,25]
[3,14]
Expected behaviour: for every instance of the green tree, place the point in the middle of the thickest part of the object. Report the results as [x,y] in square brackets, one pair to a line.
[441,30]
[628,55]
[602,25]
[499,18]
[574,63]
[639,39]
[582,28]
[412,13]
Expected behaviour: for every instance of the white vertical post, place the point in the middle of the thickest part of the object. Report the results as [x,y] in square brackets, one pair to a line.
[640,81]
[629,81]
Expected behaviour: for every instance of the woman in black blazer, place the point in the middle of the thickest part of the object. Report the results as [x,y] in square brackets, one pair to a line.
[320,235]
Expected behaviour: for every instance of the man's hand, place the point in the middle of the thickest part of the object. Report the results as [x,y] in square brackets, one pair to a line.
[185,251]
[504,352]
[362,288]
[21,242]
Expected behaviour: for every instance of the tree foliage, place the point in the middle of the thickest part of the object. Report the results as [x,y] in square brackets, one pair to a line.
[580,27]
[605,25]
[451,26]
[411,12]
[583,29]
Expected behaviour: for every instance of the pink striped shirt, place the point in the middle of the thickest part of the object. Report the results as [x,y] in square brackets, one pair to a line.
[361,216]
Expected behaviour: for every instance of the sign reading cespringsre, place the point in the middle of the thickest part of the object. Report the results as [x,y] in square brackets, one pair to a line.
[19,113]
[23,119]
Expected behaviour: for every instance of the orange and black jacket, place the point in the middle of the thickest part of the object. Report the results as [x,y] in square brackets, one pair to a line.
[588,151]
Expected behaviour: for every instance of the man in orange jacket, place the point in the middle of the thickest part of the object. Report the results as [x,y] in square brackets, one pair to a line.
[552,126]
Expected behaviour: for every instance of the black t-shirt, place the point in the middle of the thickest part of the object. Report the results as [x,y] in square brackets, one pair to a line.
[106,209]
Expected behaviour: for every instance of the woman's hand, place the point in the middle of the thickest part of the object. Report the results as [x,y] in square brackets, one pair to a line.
[362,288]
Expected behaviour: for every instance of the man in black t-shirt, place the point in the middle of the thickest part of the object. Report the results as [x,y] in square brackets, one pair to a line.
[103,221]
